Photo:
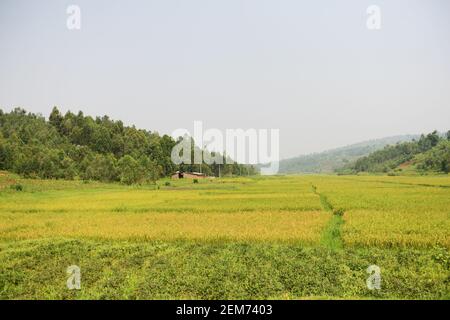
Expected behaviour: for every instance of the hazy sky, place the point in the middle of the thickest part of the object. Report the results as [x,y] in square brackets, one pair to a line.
[309,68]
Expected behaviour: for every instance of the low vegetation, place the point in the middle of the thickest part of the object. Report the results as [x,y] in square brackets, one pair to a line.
[230,238]
[391,211]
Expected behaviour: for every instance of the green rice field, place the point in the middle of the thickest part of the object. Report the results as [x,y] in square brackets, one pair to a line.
[279,237]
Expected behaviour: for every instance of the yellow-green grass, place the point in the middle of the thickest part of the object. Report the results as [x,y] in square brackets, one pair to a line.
[130,200]
[432,180]
[305,227]
[118,269]
[391,214]
[234,209]
[229,238]
[378,210]
[393,229]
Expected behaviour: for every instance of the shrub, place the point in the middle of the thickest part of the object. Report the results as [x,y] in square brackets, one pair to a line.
[129,170]
[167,183]
[195,181]
[17,187]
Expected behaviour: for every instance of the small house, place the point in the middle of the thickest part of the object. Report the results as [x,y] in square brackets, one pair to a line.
[189,175]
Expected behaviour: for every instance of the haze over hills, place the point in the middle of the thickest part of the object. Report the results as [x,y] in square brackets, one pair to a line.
[330,160]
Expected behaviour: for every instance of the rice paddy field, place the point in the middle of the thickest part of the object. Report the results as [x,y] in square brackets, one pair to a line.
[280,237]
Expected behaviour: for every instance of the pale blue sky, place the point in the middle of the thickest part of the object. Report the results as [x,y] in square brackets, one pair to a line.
[309,68]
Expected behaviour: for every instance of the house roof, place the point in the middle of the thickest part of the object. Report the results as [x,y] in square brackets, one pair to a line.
[193,173]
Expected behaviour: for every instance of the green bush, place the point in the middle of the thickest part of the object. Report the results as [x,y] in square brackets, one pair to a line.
[129,170]
[17,187]
[195,181]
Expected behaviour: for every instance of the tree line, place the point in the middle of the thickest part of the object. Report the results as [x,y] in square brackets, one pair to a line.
[430,152]
[75,146]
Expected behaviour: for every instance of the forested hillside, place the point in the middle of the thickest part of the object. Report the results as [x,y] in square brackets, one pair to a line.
[72,146]
[329,161]
[430,152]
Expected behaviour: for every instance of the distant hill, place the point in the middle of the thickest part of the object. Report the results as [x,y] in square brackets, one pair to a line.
[429,153]
[331,160]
